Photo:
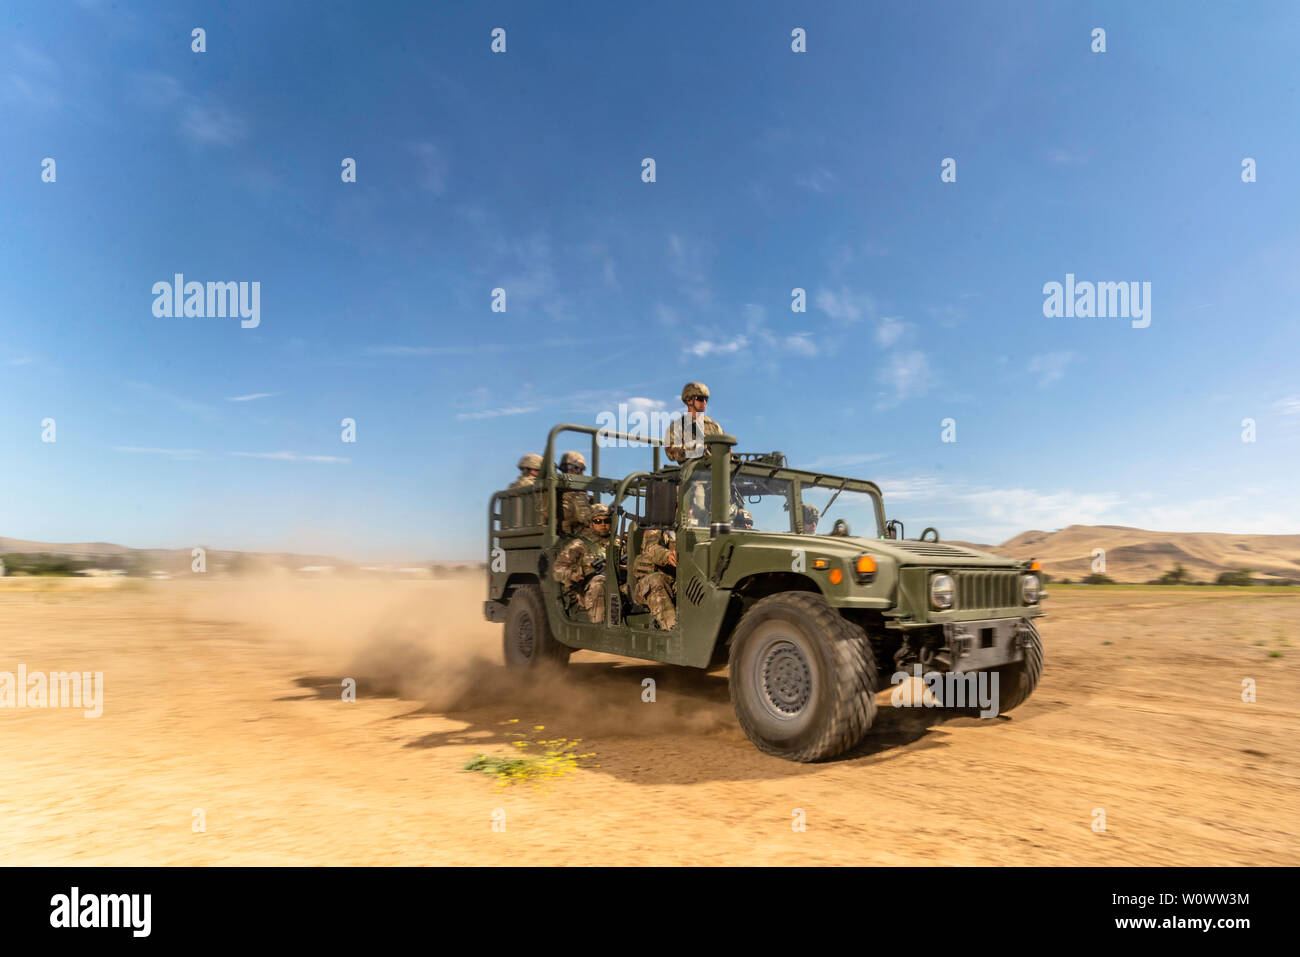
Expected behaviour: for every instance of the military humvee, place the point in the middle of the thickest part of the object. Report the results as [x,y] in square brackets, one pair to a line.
[811,625]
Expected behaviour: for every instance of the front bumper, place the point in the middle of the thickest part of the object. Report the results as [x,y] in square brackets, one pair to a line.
[987,643]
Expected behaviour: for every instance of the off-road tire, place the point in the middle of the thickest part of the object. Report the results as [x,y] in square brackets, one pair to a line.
[802,678]
[1017,681]
[527,640]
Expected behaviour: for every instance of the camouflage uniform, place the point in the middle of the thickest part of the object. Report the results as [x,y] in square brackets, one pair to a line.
[531,461]
[575,512]
[682,443]
[685,441]
[575,569]
[575,506]
[654,588]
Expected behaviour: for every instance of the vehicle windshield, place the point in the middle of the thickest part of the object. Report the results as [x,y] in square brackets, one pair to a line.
[856,511]
[758,503]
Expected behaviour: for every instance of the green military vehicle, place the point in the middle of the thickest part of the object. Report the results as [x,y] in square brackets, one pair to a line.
[812,625]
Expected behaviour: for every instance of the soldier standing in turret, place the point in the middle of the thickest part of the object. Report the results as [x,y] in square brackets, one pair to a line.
[685,437]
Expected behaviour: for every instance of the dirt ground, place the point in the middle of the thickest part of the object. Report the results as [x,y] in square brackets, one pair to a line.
[222,699]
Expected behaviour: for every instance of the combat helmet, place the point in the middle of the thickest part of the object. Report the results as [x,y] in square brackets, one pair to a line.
[530,461]
[569,459]
[811,515]
[599,511]
[692,389]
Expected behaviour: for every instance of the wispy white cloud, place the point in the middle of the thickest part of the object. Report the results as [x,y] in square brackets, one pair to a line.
[819,180]
[1064,157]
[800,344]
[844,461]
[989,514]
[494,413]
[178,453]
[34,79]
[705,347]
[906,375]
[889,331]
[432,174]
[844,305]
[292,457]
[1289,405]
[200,119]
[417,351]
[189,406]
[21,361]
[251,396]
[689,262]
[209,124]
[638,403]
[1051,366]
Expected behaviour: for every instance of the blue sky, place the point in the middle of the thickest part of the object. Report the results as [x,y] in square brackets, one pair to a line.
[522,170]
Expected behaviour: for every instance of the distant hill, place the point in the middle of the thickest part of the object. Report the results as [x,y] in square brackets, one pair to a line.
[1138,555]
[176,560]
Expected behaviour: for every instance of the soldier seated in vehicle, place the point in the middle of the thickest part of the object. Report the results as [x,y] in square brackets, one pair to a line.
[840,529]
[575,506]
[530,466]
[580,566]
[656,576]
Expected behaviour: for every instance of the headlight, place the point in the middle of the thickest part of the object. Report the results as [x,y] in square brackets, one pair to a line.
[1029,589]
[941,590]
[864,569]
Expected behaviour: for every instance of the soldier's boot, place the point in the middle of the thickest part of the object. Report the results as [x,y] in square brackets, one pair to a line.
[661,606]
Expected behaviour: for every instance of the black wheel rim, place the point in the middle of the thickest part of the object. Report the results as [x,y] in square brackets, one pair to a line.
[783,678]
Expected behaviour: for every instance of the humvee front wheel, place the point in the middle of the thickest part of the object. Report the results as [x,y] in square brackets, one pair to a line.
[1016,682]
[802,678]
[528,642]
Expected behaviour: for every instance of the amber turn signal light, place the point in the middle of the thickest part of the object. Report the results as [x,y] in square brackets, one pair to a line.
[836,576]
[864,569]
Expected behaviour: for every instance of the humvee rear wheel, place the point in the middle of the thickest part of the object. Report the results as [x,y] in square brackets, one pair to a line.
[1016,682]
[802,678]
[528,642]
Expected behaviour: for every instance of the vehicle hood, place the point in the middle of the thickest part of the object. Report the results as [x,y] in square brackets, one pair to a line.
[904,552]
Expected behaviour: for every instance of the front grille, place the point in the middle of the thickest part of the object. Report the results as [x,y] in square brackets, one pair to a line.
[985,589]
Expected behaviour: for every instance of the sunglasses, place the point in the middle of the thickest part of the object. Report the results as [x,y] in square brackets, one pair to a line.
[699,398]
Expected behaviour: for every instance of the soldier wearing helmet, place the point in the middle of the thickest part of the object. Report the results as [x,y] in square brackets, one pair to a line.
[575,507]
[530,466]
[741,518]
[685,437]
[580,566]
